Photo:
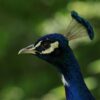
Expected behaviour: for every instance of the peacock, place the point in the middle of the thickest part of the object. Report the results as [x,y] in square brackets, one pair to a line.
[54,48]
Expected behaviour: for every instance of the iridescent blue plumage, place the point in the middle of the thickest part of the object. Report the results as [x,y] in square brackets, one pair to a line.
[54,48]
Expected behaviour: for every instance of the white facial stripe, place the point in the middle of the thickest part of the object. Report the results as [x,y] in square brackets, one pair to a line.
[64,81]
[38,44]
[52,47]
[34,47]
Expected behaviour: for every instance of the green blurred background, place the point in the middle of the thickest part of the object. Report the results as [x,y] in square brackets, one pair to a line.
[25,77]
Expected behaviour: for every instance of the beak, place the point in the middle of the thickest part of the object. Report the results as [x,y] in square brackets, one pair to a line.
[28,50]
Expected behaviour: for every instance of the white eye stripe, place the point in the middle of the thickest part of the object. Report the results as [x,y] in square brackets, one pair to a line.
[34,47]
[52,47]
[38,44]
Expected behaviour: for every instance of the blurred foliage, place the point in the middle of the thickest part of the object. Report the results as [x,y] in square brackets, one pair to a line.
[26,77]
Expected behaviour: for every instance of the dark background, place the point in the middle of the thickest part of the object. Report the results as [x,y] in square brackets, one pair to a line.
[26,77]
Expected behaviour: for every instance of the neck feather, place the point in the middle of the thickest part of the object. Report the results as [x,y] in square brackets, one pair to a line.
[75,86]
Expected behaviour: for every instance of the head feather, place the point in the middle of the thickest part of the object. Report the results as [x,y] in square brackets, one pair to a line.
[79,27]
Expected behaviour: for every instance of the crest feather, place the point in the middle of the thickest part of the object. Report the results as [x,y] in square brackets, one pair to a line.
[79,27]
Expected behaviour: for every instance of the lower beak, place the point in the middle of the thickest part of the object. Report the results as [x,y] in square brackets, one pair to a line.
[28,50]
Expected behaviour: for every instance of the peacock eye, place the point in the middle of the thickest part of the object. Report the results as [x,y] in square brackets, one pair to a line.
[45,44]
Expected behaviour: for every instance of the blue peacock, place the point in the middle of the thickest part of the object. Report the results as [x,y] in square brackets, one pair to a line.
[54,48]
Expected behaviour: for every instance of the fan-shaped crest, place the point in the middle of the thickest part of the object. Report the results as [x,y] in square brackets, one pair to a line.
[78,27]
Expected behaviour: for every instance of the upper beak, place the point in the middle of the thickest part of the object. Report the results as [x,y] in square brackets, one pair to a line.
[29,50]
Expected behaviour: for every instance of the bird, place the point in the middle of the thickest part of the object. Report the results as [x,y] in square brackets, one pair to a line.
[55,49]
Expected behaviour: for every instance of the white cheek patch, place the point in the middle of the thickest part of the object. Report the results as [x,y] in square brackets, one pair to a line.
[52,47]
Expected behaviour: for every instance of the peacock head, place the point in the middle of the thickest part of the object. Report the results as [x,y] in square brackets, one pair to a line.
[54,47]
[50,47]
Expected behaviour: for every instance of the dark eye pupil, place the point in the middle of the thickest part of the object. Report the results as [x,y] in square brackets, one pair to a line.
[45,45]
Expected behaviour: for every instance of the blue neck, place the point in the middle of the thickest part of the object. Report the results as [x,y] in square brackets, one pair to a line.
[76,88]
